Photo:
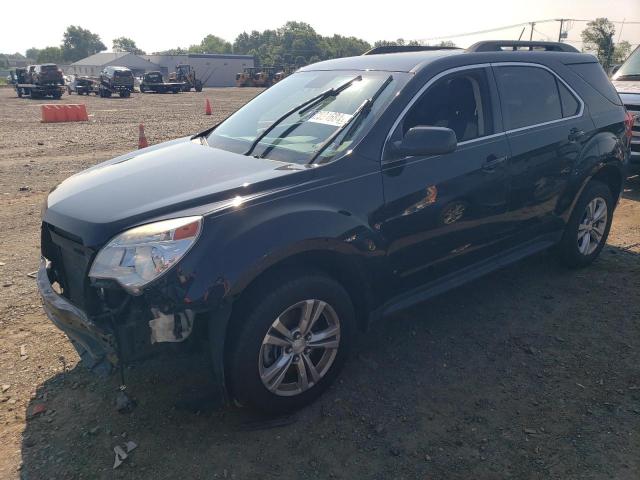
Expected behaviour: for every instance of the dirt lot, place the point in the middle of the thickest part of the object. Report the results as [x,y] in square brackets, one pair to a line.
[532,372]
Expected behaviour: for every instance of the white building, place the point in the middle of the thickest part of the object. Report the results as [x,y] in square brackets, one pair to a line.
[94,64]
[215,70]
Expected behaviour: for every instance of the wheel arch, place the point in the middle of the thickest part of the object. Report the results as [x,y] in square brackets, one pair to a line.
[347,270]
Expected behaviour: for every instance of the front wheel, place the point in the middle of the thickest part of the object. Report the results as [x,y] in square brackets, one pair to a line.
[291,344]
[588,228]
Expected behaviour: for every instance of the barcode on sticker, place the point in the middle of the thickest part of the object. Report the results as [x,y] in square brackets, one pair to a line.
[336,119]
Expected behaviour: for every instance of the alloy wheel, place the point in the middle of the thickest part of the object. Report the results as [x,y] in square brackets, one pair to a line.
[299,347]
[592,226]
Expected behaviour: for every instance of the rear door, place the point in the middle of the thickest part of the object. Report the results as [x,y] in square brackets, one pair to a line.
[547,128]
[444,212]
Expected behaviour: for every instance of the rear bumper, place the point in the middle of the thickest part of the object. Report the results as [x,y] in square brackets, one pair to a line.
[95,344]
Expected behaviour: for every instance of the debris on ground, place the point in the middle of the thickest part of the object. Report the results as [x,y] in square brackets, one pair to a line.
[124,403]
[23,352]
[37,409]
[33,274]
[123,453]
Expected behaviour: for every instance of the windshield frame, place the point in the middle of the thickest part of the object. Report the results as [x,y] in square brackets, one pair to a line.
[397,83]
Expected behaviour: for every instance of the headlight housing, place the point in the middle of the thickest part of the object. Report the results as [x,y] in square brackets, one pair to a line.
[142,254]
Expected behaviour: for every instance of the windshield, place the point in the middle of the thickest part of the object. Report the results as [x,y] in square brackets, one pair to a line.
[630,70]
[287,133]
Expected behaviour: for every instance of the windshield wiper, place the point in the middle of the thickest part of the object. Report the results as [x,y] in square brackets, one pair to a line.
[361,112]
[303,107]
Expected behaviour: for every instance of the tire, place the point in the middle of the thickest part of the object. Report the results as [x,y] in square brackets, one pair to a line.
[251,358]
[578,252]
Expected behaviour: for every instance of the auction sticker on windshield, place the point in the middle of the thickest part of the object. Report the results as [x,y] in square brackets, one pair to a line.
[336,119]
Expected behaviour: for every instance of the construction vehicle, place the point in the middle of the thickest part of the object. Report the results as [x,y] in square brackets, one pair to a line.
[283,71]
[264,77]
[186,75]
[115,80]
[38,81]
[153,82]
[245,78]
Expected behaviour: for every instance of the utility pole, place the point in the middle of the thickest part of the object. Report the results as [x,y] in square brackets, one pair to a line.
[533,24]
[560,32]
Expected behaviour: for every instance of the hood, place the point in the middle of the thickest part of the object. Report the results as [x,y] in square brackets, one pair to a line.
[100,202]
[627,86]
[629,91]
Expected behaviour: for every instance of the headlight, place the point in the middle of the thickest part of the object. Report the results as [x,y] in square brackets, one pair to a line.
[140,255]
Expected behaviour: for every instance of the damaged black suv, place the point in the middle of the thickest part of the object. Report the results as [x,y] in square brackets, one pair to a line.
[352,189]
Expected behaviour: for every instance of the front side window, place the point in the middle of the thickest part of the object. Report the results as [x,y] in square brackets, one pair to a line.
[272,126]
[460,101]
[532,95]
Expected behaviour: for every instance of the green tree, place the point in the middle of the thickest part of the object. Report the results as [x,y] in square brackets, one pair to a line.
[172,51]
[50,55]
[598,38]
[400,42]
[78,43]
[212,44]
[621,51]
[124,44]
[32,53]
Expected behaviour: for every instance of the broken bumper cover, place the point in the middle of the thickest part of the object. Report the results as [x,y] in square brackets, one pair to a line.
[95,344]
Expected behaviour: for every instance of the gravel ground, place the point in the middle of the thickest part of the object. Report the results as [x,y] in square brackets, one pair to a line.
[532,372]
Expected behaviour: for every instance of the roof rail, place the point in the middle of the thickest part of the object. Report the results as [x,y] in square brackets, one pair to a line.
[405,48]
[516,45]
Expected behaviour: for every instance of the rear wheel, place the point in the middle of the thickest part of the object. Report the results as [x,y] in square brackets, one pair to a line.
[588,228]
[292,343]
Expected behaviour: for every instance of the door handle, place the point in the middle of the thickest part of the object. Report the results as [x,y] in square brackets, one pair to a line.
[492,162]
[575,134]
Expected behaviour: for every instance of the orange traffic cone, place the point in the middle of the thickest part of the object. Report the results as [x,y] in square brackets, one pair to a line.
[207,108]
[142,140]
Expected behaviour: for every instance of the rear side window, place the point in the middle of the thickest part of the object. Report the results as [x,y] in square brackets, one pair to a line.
[594,75]
[529,96]
[570,105]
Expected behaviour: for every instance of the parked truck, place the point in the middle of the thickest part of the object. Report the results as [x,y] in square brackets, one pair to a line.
[38,81]
[154,82]
[115,80]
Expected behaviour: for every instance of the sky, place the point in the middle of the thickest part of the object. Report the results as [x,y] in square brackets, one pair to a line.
[164,24]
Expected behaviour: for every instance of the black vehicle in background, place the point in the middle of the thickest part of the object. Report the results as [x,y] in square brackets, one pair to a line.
[153,82]
[352,189]
[38,81]
[626,80]
[115,80]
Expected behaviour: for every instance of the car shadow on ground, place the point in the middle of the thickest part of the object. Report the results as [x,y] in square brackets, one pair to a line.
[531,372]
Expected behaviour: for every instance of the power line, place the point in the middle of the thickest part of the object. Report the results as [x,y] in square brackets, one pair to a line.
[523,24]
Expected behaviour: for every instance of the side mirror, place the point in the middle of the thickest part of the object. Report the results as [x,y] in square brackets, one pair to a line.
[422,141]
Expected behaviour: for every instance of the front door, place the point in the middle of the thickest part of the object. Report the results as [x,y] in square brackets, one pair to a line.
[444,212]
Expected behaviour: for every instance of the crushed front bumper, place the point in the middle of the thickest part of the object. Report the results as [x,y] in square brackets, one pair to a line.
[95,344]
